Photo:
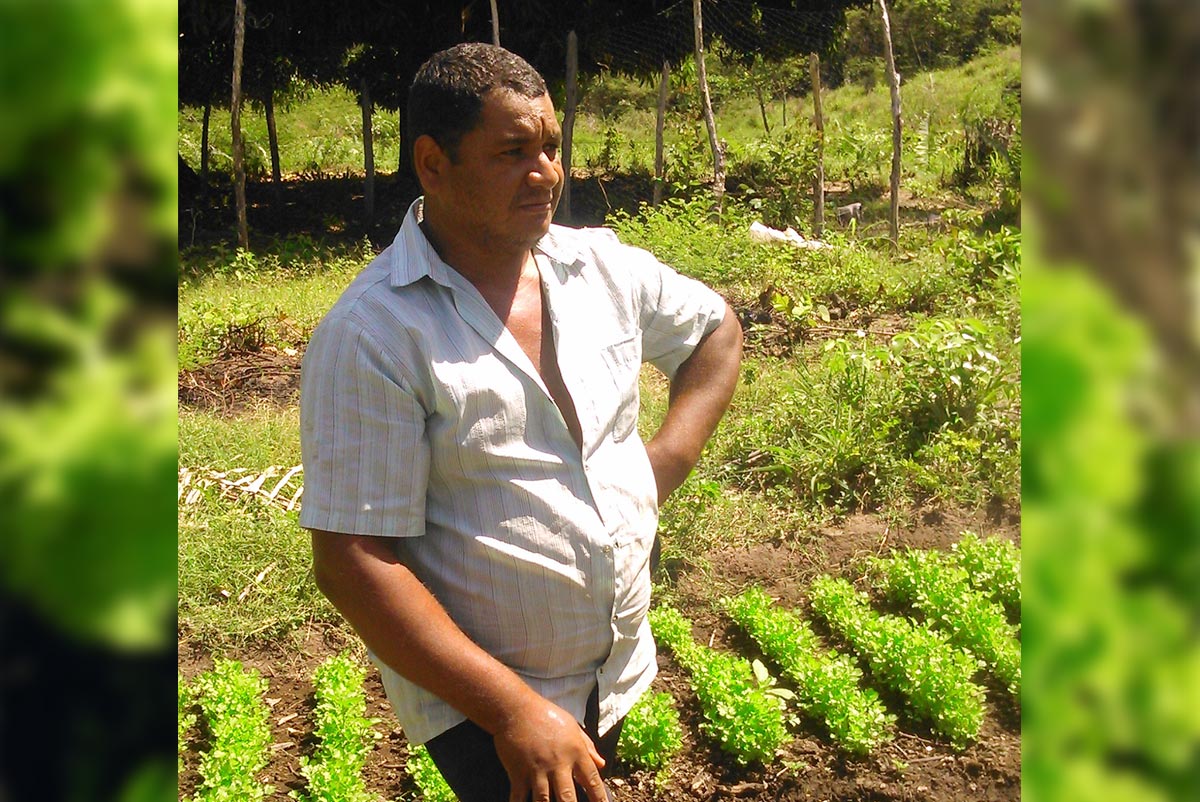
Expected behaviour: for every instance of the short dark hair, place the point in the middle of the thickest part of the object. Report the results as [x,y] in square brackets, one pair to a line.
[445,100]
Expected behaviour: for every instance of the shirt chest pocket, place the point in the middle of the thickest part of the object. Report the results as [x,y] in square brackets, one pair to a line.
[615,388]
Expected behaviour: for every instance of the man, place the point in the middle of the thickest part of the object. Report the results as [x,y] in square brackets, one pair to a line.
[482,508]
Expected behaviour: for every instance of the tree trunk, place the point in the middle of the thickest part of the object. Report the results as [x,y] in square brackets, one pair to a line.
[235,124]
[495,25]
[784,113]
[814,68]
[706,104]
[402,119]
[762,105]
[272,137]
[894,82]
[368,151]
[660,167]
[569,121]
[204,143]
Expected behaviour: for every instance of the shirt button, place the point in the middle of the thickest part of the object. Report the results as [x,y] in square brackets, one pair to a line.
[607,550]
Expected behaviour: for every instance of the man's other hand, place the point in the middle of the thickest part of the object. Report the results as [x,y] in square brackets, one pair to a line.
[546,752]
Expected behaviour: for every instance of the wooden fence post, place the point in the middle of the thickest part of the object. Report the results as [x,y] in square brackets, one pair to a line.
[664,86]
[569,121]
[894,82]
[706,102]
[235,124]
[814,68]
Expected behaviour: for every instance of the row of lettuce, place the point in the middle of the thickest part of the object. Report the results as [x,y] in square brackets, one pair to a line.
[228,705]
[952,630]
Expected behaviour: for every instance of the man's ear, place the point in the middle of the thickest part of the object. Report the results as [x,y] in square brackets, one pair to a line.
[429,161]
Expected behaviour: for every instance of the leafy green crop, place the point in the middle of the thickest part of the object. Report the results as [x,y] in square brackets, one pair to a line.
[826,683]
[942,591]
[428,778]
[186,720]
[651,735]
[744,714]
[237,717]
[914,660]
[994,567]
[334,772]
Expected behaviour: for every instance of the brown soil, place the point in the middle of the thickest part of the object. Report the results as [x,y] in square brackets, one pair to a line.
[917,765]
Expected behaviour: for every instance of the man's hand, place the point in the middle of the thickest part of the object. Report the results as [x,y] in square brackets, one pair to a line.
[546,752]
[700,394]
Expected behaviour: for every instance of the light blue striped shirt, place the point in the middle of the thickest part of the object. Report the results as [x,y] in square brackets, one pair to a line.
[422,419]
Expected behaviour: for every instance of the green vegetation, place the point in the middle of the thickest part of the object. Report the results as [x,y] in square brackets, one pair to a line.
[334,772]
[913,660]
[652,734]
[426,776]
[242,301]
[993,566]
[742,712]
[827,683]
[187,717]
[942,592]
[237,719]
[873,380]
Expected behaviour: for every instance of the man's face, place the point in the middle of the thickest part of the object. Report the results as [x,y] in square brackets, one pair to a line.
[506,180]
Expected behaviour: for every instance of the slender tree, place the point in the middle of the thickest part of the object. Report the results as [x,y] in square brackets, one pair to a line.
[235,104]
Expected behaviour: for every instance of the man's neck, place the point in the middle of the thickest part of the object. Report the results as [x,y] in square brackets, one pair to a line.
[486,264]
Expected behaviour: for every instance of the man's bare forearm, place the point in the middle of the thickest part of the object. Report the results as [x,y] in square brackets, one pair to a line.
[540,745]
[400,620]
[700,394]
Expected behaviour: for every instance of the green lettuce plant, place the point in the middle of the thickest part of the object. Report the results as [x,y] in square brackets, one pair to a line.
[933,676]
[652,734]
[237,717]
[743,713]
[942,592]
[427,776]
[827,683]
[993,566]
[343,732]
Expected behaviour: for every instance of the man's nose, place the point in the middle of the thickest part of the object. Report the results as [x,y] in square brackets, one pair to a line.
[543,173]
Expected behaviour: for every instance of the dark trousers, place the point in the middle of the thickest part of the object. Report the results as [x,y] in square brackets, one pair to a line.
[466,756]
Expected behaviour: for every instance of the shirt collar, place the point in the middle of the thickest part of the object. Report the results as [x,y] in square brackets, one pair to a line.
[413,256]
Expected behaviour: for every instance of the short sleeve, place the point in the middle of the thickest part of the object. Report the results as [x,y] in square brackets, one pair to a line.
[674,311]
[362,437]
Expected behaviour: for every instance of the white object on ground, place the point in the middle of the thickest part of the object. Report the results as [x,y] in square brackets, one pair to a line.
[761,233]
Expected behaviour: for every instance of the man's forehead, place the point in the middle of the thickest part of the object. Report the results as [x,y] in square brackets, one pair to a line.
[506,112]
